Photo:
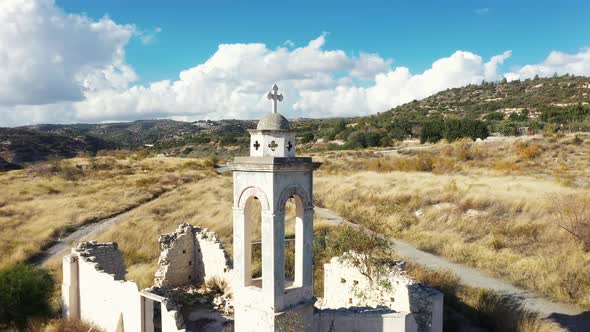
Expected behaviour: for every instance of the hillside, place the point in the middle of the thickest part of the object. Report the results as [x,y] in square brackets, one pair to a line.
[133,135]
[18,145]
[474,111]
[558,103]
[535,95]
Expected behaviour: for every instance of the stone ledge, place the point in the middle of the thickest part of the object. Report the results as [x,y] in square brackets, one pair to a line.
[273,163]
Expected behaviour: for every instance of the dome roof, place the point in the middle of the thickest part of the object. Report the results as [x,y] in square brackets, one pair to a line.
[273,121]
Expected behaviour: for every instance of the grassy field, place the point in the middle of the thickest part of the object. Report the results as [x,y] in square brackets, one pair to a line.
[488,205]
[484,204]
[44,201]
[205,201]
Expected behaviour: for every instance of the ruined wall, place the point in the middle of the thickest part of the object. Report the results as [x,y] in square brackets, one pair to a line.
[189,256]
[354,321]
[215,260]
[345,287]
[107,256]
[177,261]
[94,290]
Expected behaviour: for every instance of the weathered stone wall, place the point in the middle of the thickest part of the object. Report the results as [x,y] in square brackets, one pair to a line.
[177,261]
[346,287]
[363,320]
[189,256]
[94,290]
[210,251]
[107,256]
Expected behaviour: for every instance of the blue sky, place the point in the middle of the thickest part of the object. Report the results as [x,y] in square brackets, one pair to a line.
[413,33]
[68,61]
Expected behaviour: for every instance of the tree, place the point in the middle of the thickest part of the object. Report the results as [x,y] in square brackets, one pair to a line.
[399,128]
[432,131]
[25,293]
[357,140]
[340,126]
[507,128]
[362,248]
[453,129]
[494,116]
[307,137]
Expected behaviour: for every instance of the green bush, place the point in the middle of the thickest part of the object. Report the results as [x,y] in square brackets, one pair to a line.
[432,131]
[25,293]
[307,137]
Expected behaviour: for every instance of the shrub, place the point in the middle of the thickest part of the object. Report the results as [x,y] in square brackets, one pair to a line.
[70,172]
[528,152]
[432,131]
[421,163]
[216,286]
[25,294]
[577,140]
[494,116]
[506,166]
[363,249]
[307,137]
[211,162]
[573,215]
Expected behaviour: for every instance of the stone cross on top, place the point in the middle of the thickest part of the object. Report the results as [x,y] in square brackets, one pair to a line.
[275,97]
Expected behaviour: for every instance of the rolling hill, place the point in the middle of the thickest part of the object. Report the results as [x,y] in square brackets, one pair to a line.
[533,102]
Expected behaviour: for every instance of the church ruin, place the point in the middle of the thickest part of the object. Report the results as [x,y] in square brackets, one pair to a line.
[94,288]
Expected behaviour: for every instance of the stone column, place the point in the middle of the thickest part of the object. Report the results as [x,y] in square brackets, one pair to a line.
[307,248]
[70,289]
[242,248]
[148,314]
[273,259]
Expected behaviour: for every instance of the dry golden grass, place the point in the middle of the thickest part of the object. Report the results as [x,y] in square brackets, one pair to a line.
[512,237]
[478,216]
[480,307]
[37,204]
[205,203]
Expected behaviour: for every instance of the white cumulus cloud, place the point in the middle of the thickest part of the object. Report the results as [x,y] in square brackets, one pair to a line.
[48,56]
[63,68]
[557,62]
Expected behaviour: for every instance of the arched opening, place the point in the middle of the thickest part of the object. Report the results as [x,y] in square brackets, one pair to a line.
[290,239]
[253,220]
[294,200]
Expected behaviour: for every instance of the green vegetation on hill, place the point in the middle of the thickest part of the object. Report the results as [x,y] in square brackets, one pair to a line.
[18,145]
[474,111]
[549,104]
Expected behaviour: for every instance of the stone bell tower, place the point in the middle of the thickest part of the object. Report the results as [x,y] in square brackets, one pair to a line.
[272,175]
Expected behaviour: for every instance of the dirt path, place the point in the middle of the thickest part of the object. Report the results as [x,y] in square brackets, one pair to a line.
[85,232]
[568,316]
[88,231]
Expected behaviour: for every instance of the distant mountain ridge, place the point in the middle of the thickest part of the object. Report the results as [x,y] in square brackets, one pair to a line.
[22,145]
[40,142]
[473,100]
[132,135]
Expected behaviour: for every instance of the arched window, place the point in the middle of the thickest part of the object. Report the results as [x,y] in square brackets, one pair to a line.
[247,235]
[253,216]
[293,203]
